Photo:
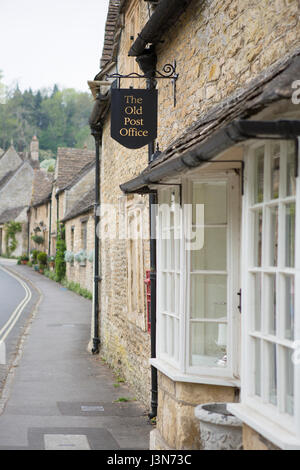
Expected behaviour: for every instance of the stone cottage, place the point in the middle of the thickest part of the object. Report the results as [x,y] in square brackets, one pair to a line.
[16,180]
[226,182]
[80,227]
[39,212]
[69,163]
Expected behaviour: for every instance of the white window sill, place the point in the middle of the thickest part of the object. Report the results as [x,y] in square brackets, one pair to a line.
[271,431]
[178,376]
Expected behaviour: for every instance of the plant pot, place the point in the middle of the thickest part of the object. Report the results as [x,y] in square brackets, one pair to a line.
[24,262]
[219,429]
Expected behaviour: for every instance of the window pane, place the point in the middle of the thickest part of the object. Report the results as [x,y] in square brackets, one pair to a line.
[213,254]
[258,218]
[272,373]
[170,336]
[214,197]
[289,305]
[208,344]
[291,180]
[257,301]
[257,367]
[259,175]
[273,235]
[164,341]
[290,235]
[289,381]
[275,167]
[171,250]
[271,279]
[177,294]
[208,296]
[164,297]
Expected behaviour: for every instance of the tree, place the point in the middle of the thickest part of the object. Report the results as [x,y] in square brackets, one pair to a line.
[59,118]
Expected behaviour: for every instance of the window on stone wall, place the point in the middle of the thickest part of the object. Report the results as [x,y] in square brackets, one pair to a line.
[270,306]
[72,238]
[135,263]
[84,235]
[197,276]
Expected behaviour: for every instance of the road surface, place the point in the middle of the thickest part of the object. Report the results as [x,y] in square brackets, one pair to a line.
[14,296]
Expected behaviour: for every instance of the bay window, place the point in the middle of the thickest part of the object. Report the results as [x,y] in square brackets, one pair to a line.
[271,312]
[198,276]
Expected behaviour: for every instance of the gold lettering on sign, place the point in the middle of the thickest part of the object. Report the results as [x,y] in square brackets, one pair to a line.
[134,107]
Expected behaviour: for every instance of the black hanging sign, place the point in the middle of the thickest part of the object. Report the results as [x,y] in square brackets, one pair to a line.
[133,116]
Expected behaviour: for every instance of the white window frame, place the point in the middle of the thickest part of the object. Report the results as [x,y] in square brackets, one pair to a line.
[180,370]
[273,413]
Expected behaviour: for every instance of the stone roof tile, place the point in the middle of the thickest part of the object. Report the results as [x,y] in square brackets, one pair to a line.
[85,204]
[42,187]
[70,162]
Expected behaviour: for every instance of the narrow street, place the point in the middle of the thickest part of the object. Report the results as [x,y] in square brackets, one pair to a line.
[58,396]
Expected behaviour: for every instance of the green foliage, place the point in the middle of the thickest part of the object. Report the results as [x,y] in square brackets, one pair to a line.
[42,259]
[60,264]
[34,255]
[51,275]
[75,287]
[59,118]
[48,165]
[69,257]
[11,229]
[38,239]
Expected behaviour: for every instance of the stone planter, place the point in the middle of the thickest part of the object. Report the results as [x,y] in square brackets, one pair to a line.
[219,429]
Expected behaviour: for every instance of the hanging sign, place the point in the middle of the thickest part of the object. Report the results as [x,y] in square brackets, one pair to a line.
[133,116]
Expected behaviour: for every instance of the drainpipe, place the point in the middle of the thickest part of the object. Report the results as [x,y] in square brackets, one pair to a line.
[151,83]
[96,131]
[49,231]
[57,219]
[28,231]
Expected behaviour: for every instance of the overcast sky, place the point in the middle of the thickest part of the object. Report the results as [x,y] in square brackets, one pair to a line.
[43,42]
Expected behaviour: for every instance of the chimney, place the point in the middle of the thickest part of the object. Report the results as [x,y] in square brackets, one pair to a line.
[34,149]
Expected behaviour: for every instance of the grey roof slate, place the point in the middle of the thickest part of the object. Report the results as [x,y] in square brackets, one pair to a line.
[10,214]
[70,163]
[85,204]
[42,187]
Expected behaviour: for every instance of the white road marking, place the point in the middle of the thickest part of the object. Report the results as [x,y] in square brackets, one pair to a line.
[2,353]
[6,329]
[66,442]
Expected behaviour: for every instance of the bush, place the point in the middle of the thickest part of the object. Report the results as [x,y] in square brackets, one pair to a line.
[38,239]
[81,256]
[11,229]
[69,256]
[42,259]
[75,287]
[34,255]
[60,264]
[24,258]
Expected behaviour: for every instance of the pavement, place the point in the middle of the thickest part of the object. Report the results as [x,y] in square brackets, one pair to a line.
[57,396]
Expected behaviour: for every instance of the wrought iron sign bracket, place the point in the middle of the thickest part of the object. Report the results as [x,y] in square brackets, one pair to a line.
[168,72]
